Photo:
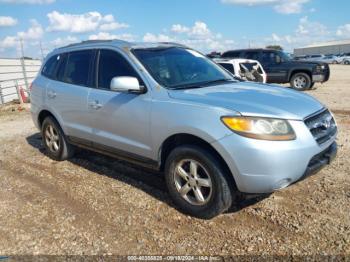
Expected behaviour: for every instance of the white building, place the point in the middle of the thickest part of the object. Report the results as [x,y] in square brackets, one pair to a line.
[332,47]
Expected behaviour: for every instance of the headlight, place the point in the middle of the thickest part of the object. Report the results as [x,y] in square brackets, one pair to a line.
[320,68]
[260,128]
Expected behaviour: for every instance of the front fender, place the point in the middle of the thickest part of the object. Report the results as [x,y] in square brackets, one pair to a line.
[298,70]
[204,122]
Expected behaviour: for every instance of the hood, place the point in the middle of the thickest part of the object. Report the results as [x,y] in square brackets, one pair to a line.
[301,62]
[253,99]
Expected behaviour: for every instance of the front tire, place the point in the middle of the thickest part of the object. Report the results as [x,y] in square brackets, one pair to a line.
[55,141]
[300,81]
[197,183]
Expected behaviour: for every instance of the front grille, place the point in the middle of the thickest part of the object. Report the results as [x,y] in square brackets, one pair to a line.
[322,126]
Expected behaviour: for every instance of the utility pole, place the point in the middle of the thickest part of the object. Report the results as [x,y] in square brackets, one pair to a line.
[23,65]
[41,50]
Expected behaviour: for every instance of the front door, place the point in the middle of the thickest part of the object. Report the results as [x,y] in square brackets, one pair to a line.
[274,67]
[121,121]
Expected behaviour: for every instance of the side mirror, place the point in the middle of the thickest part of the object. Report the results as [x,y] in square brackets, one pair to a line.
[126,84]
[278,59]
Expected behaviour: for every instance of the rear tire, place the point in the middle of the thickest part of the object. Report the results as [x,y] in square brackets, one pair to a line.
[300,81]
[197,183]
[55,141]
[346,62]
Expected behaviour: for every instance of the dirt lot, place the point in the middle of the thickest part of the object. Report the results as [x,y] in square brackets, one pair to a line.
[98,205]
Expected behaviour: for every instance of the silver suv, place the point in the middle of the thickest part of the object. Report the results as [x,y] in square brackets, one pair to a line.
[168,107]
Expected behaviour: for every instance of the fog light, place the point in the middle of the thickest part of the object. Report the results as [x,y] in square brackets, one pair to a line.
[282,183]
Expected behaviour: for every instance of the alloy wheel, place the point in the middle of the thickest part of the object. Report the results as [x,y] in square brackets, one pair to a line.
[52,139]
[193,182]
[300,82]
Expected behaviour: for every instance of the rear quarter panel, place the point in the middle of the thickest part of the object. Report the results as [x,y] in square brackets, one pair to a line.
[37,97]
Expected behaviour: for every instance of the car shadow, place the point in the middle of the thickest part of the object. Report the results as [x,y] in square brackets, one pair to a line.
[149,181]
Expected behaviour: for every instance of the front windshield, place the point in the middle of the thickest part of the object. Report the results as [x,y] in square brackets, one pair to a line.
[284,56]
[176,67]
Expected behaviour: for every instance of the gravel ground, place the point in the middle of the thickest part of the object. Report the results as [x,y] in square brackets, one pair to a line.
[98,205]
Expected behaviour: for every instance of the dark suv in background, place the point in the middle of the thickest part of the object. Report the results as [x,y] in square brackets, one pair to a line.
[280,68]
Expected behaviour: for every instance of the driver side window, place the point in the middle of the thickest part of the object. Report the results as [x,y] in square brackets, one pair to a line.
[111,64]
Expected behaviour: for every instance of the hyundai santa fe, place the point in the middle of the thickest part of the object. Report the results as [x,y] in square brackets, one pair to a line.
[167,107]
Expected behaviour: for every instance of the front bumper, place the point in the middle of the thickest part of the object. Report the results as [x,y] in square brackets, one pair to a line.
[321,76]
[320,160]
[318,78]
[260,166]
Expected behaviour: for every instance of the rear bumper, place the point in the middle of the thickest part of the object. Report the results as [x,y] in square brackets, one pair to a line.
[34,110]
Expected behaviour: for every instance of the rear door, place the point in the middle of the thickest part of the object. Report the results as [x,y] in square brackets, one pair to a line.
[67,95]
[121,121]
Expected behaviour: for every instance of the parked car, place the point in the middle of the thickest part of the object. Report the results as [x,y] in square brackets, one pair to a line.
[245,69]
[345,58]
[314,58]
[346,61]
[300,57]
[281,69]
[331,59]
[172,109]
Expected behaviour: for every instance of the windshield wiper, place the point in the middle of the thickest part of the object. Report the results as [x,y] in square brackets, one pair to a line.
[202,84]
[218,81]
[186,87]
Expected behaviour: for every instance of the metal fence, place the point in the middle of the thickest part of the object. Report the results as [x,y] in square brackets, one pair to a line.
[16,74]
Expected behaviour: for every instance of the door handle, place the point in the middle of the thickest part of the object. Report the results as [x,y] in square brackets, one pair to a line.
[95,104]
[51,94]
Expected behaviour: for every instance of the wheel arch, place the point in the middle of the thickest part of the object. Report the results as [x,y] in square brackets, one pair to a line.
[180,139]
[44,114]
[295,71]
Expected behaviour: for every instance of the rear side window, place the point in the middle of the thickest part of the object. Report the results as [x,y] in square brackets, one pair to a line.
[77,69]
[232,54]
[111,64]
[228,67]
[61,67]
[50,67]
[252,55]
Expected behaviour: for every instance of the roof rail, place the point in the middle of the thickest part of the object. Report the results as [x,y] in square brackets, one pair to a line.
[172,43]
[91,42]
[95,41]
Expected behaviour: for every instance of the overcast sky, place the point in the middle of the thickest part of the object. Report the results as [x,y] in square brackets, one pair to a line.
[206,25]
